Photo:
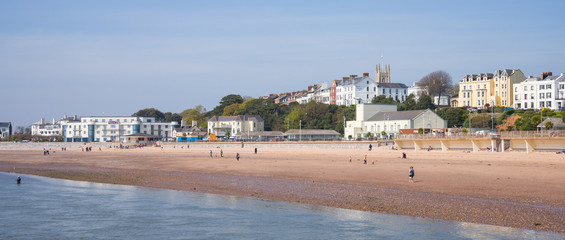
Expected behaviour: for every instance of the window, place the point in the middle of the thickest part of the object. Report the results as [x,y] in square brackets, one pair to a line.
[541,87]
[516,89]
[525,105]
[482,94]
[525,88]
[532,87]
[561,86]
[532,96]
[541,104]
[548,95]
[541,96]
[367,89]
[396,91]
[548,86]
[548,104]
[478,94]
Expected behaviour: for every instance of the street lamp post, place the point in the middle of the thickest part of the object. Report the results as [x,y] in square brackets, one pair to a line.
[300,132]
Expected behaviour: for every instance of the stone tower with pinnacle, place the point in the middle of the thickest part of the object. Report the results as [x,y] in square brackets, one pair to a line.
[382,75]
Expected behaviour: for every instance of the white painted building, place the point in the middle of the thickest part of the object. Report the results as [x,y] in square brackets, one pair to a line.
[546,91]
[5,129]
[117,128]
[396,91]
[355,90]
[43,128]
[220,125]
[376,118]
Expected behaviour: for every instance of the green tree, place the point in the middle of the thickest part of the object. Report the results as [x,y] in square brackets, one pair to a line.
[224,102]
[408,104]
[425,102]
[548,125]
[150,112]
[455,116]
[232,110]
[172,117]
[193,114]
[294,117]
[382,99]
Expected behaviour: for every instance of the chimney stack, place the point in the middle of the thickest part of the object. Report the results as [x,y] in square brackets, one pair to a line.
[182,123]
[365,74]
[194,123]
[546,74]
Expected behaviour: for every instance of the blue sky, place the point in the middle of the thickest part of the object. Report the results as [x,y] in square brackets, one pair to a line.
[116,57]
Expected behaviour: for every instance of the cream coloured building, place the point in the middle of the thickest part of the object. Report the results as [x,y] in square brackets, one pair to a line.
[478,90]
[220,125]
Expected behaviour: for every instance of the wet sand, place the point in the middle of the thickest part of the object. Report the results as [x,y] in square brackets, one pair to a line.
[512,189]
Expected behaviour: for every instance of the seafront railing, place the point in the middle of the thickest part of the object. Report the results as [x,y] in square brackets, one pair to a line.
[504,134]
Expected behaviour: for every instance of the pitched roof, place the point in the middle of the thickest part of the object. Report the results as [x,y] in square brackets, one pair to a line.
[5,124]
[402,115]
[236,118]
[557,122]
[391,85]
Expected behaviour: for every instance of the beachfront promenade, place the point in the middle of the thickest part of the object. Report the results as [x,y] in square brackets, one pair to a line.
[506,141]
[522,141]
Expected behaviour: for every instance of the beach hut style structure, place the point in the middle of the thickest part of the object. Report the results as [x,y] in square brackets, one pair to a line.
[260,136]
[312,135]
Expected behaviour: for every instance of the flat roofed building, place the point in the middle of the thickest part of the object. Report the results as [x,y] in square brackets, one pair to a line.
[312,135]
[106,129]
[260,136]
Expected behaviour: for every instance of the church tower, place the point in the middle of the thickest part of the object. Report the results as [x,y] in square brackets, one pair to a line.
[382,75]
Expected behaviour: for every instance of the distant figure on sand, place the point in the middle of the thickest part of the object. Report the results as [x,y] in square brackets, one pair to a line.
[370,147]
[411,174]
[221,153]
[255,150]
[18,180]
[403,155]
[349,158]
[211,153]
[237,156]
[365,161]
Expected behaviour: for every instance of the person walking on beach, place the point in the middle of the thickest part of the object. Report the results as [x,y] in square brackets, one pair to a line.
[211,153]
[411,174]
[237,156]
[349,158]
[370,147]
[221,153]
[255,150]
[365,161]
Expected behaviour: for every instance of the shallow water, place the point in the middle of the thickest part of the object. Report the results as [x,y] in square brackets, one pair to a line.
[46,208]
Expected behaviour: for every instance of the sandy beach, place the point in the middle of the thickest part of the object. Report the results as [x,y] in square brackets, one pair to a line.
[514,189]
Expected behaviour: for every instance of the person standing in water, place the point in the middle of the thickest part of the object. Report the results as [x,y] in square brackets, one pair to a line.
[18,180]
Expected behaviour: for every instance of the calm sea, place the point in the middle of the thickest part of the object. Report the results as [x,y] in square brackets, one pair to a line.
[46,208]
